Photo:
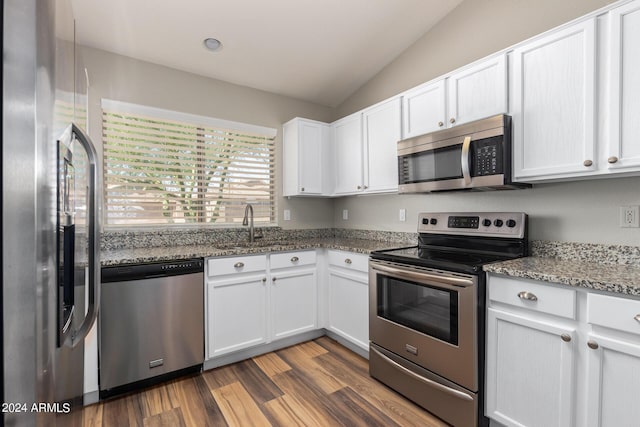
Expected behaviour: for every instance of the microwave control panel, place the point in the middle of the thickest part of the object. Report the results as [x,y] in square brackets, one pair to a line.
[487,157]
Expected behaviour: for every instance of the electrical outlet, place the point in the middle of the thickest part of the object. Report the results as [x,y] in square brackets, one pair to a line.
[629,217]
[345,214]
[402,215]
[287,215]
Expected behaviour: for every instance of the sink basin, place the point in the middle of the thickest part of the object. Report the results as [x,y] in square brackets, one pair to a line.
[259,244]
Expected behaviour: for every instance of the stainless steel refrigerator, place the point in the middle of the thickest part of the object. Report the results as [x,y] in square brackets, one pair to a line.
[50,230]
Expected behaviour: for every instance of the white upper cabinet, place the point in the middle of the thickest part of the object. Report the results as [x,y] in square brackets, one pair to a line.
[553,104]
[478,91]
[381,133]
[347,139]
[306,154]
[423,109]
[624,136]
[469,94]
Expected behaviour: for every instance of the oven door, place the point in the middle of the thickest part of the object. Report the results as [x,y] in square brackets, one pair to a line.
[426,316]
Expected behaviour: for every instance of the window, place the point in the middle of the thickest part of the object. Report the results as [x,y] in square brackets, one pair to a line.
[163,167]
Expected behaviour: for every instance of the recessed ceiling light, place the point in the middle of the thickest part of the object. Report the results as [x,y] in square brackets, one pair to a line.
[212,44]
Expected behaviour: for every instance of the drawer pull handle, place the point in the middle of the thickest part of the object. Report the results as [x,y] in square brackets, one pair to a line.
[637,317]
[238,264]
[565,337]
[592,344]
[295,259]
[527,295]
[347,261]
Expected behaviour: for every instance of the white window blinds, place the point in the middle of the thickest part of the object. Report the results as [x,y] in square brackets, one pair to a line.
[163,167]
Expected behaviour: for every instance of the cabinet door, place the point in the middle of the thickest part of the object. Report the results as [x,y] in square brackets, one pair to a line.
[530,371]
[348,154]
[349,307]
[293,302]
[304,142]
[554,104]
[423,109]
[382,131]
[624,137]
[237,316]
[613,377]
[477,92]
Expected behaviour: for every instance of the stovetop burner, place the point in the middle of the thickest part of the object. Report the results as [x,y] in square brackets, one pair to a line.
[463,242]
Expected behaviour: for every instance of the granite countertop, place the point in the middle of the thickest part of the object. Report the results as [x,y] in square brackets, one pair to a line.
[616,278]
[169,253]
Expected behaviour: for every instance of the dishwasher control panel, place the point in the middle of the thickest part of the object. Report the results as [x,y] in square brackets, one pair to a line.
[119,273]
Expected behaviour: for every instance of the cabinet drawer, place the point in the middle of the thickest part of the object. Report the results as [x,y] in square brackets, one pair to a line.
[533,296]
[293,259]
[234,265]
[350,260]
[614,312]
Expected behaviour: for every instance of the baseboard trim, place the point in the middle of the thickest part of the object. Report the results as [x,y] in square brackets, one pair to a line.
[261,349]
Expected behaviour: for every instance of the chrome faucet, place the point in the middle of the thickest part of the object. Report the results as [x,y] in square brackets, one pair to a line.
[248,220]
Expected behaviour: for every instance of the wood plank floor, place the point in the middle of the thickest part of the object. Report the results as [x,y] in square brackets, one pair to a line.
[317,383]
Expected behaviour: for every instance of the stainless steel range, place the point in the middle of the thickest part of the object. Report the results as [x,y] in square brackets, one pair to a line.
[427,310]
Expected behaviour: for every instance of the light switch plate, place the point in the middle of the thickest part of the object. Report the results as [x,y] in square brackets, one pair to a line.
[402,215]
[287,215]
[345,214]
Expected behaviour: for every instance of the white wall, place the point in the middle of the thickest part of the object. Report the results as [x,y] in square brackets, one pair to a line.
[585,211]
[125,79]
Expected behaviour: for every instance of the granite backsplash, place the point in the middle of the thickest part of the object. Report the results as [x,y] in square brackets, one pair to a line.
[114,240]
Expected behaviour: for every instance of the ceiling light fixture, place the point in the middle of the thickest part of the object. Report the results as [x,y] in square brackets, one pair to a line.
[212,44]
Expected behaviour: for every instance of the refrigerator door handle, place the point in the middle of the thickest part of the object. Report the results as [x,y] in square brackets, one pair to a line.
[93,234]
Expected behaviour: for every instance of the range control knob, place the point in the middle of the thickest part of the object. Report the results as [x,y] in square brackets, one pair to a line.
[498,223]
[425,221]
[486,222]
[433,221]
[511,223]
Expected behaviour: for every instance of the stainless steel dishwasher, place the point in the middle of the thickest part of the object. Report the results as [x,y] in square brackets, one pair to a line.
[151,323]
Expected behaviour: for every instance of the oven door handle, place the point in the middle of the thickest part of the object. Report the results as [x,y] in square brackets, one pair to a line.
[444,281]
[465,160]
[427,381]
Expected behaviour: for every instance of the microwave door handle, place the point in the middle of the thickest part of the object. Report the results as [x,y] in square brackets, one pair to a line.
[93,234]
[465,160]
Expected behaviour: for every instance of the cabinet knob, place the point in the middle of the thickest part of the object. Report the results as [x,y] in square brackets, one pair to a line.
[295,259]
[365,187]
[452,120]
[264,280]
[440,124]
[273,279]
[348,261]
[565,337]
[612,159]
[587,163]
[359,187]
[527,296]
[302,189]
[592,344]
[637,317]
[238,264]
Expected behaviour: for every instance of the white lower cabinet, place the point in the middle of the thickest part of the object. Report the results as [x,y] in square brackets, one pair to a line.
[293,301]
[613,361]
[348,304]
[571,364]
[252,300]
[237,315]
[530,370]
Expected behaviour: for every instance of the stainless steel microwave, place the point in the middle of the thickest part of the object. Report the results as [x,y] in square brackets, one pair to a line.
[473,156]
